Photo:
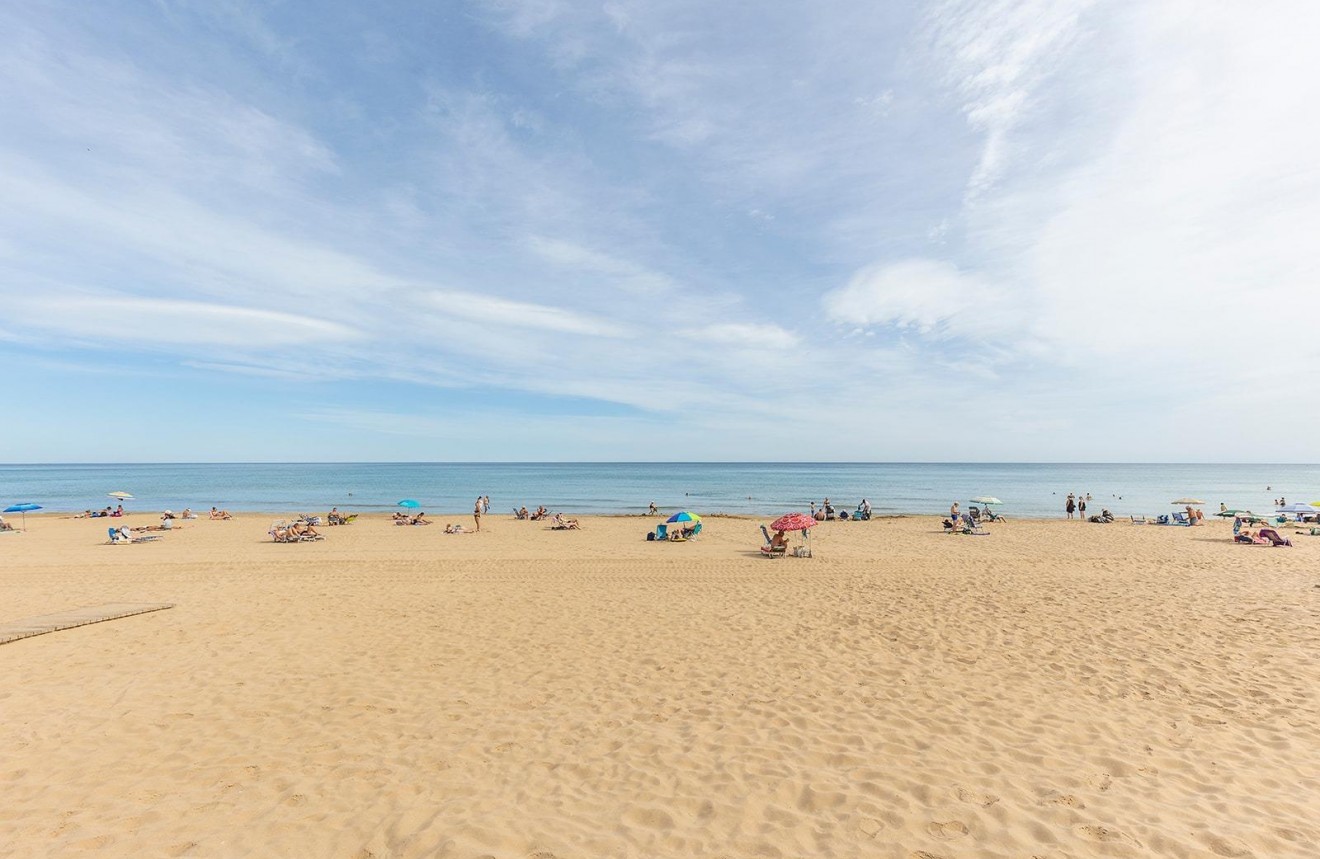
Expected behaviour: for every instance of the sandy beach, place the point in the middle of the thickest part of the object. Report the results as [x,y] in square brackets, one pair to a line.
[1056,689]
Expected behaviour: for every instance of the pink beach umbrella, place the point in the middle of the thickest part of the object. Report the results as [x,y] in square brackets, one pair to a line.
[793,522]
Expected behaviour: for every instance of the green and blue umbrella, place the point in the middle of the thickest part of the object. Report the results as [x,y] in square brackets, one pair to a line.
[684,516]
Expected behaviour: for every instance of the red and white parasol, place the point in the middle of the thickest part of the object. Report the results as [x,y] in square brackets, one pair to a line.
[793,522]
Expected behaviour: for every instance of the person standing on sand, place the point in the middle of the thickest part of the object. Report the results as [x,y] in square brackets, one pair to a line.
[953,513]
[476,513]
[1081,507]
[1071,505]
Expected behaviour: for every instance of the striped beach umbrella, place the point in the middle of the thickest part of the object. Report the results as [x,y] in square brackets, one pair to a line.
[684,516]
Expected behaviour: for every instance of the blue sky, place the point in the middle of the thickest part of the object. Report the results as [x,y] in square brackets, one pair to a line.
[551,230]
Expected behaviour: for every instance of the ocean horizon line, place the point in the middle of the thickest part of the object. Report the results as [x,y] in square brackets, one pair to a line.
[773,462]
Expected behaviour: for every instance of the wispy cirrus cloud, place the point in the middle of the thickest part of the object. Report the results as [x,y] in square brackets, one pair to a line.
[872,218]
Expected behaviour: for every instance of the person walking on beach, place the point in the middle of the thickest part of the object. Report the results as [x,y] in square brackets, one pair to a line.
[1071,505]
[953,513]
[476,513]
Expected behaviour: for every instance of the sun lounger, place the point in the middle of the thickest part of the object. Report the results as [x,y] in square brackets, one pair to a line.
[123,535]
[1140,520]
[769,549]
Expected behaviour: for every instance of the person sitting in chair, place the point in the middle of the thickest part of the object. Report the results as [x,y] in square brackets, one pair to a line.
[5,526]
[779,542]
[302,529]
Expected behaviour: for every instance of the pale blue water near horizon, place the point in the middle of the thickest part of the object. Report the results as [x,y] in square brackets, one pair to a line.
[1026,489]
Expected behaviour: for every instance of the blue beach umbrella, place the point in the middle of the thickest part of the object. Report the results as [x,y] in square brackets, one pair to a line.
[684,516]
[409,503]
[22,508]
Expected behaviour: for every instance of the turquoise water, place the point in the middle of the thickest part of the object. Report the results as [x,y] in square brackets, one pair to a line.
[1027,489]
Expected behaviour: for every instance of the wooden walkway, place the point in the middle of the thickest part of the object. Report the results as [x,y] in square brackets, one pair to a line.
[28,627]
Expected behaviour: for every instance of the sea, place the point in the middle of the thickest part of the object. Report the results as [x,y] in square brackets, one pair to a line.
[1033,490]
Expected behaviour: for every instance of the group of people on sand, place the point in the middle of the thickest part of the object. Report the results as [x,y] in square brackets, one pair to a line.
[825,512]
[98,514]
[536,516]
[1076,504]
[402,518]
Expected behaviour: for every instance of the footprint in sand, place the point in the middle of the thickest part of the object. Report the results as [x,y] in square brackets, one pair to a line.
[948,830]
[1100,781]
[870,827]
[1065,799]
[1101,833]
[1231,848]
[985,800]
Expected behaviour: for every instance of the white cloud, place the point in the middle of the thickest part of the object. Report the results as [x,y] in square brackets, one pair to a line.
[499,312]
[180,323]
[928,297]
[997,55]
[745,334]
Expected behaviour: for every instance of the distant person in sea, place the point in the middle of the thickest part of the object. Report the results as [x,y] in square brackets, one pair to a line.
[1070,506]
[476,513]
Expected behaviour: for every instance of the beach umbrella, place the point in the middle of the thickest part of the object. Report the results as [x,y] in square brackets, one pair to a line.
[122,496]
[409,503]
[794,522]
[986,499]
[22,508]
[1187,501]
[684,516]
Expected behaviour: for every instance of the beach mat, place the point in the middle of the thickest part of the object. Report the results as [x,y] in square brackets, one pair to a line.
[28,627]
